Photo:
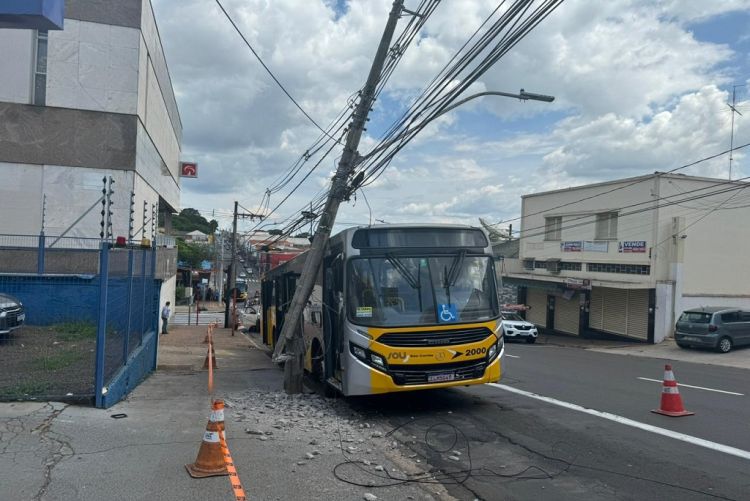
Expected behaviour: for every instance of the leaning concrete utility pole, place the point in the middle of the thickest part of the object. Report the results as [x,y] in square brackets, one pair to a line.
[291,334]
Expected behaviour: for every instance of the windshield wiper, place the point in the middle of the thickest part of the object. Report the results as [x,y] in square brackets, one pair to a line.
[450,276]
[404,271]
[455,270]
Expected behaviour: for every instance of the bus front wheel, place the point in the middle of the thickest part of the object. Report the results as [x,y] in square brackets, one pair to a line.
[319,370]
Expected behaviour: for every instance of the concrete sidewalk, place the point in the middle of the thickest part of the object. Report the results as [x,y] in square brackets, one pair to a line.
[666,350]
[284,447]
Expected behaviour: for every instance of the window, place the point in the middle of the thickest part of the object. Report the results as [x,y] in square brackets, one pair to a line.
[563,265]
[628,269]
[569,266]
[745,316]
[695,317]
[606,226]
[727,318]
[40,69]
[553,228]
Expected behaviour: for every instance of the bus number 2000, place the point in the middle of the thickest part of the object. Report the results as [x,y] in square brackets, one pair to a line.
[476,351]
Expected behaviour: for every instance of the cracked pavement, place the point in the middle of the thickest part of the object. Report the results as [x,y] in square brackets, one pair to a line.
[57,452]
[30,449]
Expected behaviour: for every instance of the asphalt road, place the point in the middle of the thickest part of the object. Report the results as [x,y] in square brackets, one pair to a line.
[490,443]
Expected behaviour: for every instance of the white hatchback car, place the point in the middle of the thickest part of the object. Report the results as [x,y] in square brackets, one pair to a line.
[515,327]
[251,317]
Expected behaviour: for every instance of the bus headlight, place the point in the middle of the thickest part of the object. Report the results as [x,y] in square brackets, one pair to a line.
[368,357]
[496,349]
[377,360]
[359,352]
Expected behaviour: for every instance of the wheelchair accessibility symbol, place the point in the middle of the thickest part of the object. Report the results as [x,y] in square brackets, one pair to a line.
[448,313]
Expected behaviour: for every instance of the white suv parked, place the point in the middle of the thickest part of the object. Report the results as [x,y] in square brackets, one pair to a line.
[515,327]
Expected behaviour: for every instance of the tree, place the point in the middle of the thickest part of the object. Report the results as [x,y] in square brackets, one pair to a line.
[190,219]
[192,254]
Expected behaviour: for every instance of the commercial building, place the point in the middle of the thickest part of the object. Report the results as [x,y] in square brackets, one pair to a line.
[88,103]
[626,257]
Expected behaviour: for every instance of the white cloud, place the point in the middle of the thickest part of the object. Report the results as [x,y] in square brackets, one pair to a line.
[635,92]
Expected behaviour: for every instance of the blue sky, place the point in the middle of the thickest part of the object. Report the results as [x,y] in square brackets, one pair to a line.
[639,86]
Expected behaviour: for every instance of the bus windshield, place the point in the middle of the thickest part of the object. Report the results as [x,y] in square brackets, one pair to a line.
[394,291]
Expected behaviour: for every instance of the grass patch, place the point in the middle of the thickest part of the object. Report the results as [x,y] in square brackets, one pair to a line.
[75,331]
[56,361]
[28,388]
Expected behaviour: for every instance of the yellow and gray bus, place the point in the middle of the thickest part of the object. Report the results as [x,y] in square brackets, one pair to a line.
[396,308]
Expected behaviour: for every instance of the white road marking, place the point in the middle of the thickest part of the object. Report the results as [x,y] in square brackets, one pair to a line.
[696,387]
[512,356]
[630,422]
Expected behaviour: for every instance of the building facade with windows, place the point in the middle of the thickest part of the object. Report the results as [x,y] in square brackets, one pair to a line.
[92,101]
[626,257]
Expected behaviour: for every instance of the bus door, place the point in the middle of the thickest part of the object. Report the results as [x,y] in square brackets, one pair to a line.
[333,297]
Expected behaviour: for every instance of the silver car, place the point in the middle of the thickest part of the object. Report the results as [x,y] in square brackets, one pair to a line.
[12,314]
[718,327]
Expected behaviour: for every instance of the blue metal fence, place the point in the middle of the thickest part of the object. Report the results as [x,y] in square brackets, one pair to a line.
[91,318]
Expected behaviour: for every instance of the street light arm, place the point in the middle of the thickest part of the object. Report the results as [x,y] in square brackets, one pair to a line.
[522,96]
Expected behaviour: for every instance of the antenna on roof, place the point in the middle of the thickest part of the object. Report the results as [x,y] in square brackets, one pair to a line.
[733,108]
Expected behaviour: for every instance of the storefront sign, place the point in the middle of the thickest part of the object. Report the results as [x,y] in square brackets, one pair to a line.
[575,246]
[578,283]
[188,169]
[632,246]
[596,246]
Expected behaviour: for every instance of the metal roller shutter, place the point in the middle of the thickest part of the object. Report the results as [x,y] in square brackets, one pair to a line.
[567,314]
[615,311]
[537,299]
[638,313]
[619,311]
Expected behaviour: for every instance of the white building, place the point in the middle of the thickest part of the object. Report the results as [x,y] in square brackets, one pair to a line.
[626,257]
[93,100]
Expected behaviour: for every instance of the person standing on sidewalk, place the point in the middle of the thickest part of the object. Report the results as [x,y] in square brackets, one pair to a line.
[165,313]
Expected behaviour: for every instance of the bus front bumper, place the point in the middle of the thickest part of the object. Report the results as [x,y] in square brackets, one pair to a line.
[366,380]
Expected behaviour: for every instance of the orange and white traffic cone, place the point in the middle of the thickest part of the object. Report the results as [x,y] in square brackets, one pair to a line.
[210,461]
[671,401]
[217,414]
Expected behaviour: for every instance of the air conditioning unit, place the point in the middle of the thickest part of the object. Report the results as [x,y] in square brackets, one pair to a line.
[528,264]
[553,265]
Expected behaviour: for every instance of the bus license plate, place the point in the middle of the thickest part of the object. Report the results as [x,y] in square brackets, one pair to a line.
[437,378]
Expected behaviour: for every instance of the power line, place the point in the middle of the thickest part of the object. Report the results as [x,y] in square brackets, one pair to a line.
[524,233]
[423,12]
[636,181]
[237,29]
[512,25]
[702,217]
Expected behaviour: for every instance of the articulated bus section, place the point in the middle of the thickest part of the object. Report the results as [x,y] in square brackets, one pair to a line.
[395,308]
